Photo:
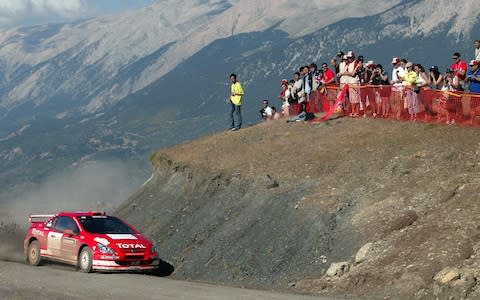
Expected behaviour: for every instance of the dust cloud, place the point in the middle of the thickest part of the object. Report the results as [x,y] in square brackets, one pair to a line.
[98,186]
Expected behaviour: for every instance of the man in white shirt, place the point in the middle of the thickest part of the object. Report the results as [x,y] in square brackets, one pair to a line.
[477,50]
[266,112]
[397,87]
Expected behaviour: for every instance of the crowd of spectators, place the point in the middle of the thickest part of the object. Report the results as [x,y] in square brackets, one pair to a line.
[396,93]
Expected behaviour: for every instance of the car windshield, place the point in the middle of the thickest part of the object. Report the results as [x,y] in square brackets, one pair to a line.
[104,225]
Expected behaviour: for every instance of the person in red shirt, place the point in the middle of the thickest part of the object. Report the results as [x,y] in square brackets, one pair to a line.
[328,80]
[459,68]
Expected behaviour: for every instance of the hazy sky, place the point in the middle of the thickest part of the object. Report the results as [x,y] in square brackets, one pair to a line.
[28,12]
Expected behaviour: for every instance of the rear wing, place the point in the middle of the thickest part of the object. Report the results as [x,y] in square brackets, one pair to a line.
[40,218]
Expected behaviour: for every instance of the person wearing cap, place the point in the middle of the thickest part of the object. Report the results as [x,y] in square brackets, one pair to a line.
[436,78]
[473,77]
[349,76]
[397,87]
[459,68]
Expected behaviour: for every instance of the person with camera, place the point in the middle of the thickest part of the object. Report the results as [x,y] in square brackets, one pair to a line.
[436,78]
[266,112]
[382,91]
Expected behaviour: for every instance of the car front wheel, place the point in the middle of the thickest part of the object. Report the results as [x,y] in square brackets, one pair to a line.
[85,260]
[33,254]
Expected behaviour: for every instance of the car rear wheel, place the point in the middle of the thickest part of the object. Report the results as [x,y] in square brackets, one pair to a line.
[33,254]
[85,260]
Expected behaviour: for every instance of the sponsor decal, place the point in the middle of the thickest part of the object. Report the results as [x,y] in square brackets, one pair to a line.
[37,232]
[122,236]
[101,241]
[130,246]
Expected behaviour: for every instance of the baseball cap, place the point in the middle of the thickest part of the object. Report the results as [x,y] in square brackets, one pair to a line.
[395,60]
[456,55]
[473,63]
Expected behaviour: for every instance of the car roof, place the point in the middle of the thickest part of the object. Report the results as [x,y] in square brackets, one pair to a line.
[82,213]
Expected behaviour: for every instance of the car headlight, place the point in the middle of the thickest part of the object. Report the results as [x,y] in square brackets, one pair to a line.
[154,248]
[105,249]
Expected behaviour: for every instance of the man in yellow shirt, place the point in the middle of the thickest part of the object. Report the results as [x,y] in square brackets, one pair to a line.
[236,102]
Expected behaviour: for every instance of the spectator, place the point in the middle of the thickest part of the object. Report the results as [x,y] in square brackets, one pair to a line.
[397,88]
[266,111]
[338,61]
[307,85]
[335,67]
[447,82]
[284,97]
[350,77]
[328,84]
[477,50]
[275,114]
[422,77]
[422,83]
[298,89]
[292,99]
[382,91]
[459,68]
[236,101]
[473,77]
[341,80]
[410,80]
[436,78]
[314,73]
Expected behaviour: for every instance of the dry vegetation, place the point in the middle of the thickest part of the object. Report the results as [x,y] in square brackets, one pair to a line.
[409,189]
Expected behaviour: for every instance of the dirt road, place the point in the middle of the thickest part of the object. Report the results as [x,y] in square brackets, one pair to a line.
[19,281]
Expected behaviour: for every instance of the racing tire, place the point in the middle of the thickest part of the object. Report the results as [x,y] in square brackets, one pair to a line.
[85,261]
[33,254]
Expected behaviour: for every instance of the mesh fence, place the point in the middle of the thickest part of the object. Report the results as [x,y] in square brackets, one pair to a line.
[405,103]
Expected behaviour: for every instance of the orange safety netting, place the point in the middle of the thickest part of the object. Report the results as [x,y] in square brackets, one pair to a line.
[424,104]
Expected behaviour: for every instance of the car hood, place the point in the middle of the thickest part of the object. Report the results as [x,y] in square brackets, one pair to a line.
[123,241]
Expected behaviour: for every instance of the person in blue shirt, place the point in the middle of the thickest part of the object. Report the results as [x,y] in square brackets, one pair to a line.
[473,76]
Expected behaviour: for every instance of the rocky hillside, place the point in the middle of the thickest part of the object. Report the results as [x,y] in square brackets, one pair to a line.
[289,205]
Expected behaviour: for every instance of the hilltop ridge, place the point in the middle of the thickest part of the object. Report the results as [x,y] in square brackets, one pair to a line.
[275,205]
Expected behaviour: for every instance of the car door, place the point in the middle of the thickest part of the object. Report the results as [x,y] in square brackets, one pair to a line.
[70,240]
[54,239]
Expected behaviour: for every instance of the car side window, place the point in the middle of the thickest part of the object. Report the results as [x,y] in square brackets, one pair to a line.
[63,223]
[51,222]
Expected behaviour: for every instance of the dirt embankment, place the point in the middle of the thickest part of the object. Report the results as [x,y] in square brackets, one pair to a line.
[273,206]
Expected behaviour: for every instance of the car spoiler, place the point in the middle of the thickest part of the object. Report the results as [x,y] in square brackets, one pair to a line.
[40,218]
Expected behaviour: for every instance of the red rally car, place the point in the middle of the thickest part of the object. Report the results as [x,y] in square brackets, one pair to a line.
[91,241]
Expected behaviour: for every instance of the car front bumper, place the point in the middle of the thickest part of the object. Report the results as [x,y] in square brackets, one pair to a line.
[115,265]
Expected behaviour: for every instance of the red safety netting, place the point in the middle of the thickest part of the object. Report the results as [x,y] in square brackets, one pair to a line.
[424,104]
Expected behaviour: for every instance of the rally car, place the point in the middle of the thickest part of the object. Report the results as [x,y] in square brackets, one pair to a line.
[91,241]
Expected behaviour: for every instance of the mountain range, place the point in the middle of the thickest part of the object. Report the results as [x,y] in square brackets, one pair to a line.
[122,86]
